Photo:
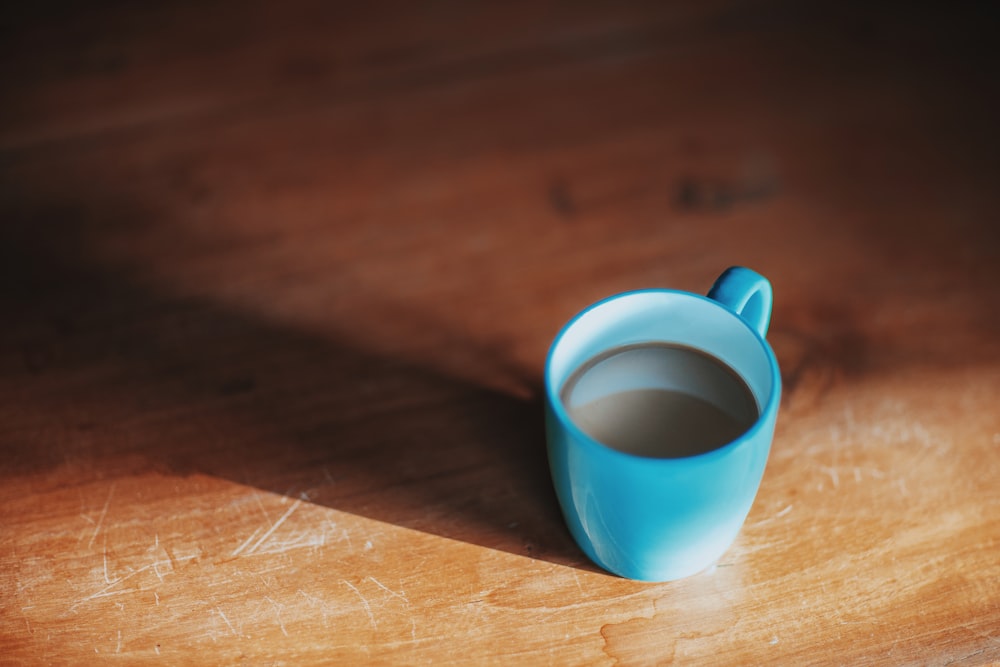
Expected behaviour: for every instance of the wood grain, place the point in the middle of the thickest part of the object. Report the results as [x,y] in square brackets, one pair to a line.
[277,284]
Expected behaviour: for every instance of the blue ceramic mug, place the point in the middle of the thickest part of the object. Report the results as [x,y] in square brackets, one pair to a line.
[659,519]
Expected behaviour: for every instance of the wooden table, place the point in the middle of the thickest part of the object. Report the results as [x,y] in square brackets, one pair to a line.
[277,281]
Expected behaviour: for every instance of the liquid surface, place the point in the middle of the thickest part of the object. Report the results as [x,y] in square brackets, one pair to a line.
[660,401]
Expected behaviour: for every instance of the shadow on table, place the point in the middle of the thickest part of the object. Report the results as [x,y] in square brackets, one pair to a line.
[186,386]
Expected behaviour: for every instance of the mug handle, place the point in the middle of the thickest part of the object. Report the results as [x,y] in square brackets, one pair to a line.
[747,293]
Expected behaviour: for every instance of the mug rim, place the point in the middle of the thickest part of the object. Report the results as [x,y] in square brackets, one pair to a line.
[767,412]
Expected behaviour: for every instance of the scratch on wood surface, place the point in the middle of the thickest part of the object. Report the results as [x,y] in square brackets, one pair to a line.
[104,513]
[768,518]
[110,591]
[316,602]
[246,542]
[311,598]
[576,579]
[277,613]
[226,620]
[170,557]
[263,510]
[296,540]
[833,474]
[346,536]
[391,592]
[277,524]
[106,579]
[278,566]
[364,601]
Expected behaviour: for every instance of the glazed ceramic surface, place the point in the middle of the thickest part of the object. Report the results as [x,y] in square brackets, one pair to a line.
[658,519]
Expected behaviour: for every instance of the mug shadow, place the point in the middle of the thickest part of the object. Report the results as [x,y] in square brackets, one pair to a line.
[185,386]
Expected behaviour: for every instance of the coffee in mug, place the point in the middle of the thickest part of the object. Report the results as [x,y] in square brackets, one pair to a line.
[659,400]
